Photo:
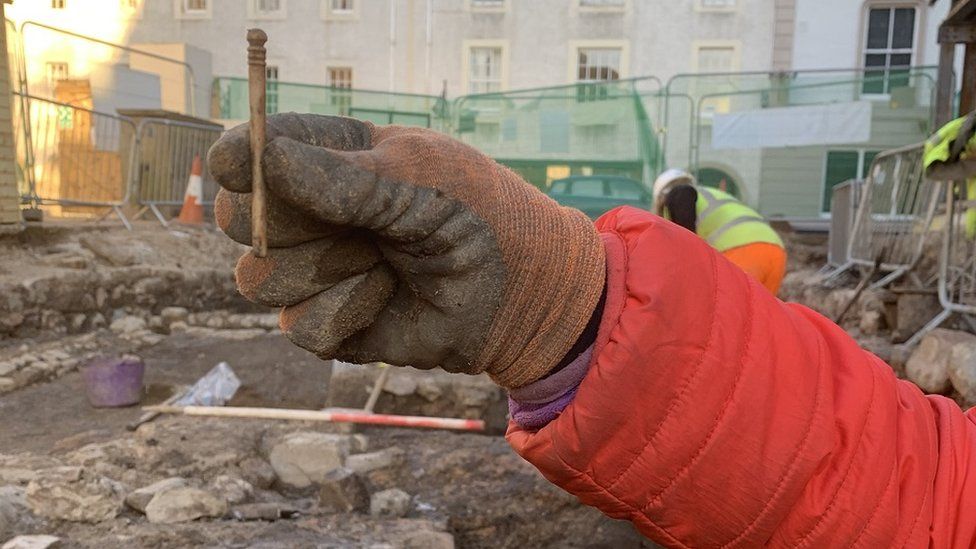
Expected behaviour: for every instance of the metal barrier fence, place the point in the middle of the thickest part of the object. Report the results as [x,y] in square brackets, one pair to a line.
[73,158]
[165,153]
[894,216]
[843,209]
[781,140]
[957,262]
[543,133]
[429,111]
[81,163]
[577,129]
[777,140]
[736,131]
[106,65]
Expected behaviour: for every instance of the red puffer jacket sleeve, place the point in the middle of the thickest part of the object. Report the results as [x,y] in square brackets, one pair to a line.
[714,415]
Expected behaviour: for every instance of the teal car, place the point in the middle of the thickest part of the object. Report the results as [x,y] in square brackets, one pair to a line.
[597,194]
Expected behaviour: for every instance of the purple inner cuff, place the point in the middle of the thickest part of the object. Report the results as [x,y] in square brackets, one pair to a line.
[538,403]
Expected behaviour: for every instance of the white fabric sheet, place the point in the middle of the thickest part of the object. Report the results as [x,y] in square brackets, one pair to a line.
[833,124]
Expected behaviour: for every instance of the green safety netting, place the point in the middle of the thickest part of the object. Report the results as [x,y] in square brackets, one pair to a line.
[582,128]
[741,130]
[599,127]
[636,127]
[380,107]
[691,101]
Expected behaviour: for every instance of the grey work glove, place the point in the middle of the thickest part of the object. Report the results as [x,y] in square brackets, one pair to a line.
[405,246]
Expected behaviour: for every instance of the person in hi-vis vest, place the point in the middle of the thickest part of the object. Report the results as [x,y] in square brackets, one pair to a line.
[734,229]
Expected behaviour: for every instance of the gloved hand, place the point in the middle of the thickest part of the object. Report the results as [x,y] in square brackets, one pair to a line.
[405,246]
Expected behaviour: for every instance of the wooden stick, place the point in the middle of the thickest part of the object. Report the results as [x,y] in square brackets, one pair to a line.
[861,286]
[149,416]
[378,387]
[315,415]
[256,79]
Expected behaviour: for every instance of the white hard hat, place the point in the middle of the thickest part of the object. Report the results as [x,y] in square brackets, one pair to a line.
[669,179]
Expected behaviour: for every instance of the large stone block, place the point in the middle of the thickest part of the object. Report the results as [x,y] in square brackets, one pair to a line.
[74,494]
[928,366]
[962,368]
[184,505]
[305,458]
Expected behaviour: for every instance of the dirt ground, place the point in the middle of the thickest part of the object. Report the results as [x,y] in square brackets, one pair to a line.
[76,291]
[69,293]
[273,372]
[469,486]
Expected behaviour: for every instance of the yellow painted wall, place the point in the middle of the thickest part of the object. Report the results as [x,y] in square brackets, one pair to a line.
[9,197]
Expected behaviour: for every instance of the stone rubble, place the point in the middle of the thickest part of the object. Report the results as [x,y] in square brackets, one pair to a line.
[139,499]
[365,463]
[40,541]
[305,458]
[74,494]
[257,472]
[400,385]
[913,311]
[193,469]
[426,539]
[233,490]
[262,511]
[15,516]
[128,325]
[343,491]
[962,369]
[929,365]
[392,503]
[183,505]
[129,334]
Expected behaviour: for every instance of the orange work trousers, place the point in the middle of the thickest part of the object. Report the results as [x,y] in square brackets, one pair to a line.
[765,262]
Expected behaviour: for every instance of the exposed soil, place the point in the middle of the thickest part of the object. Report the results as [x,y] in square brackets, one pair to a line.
[64,285]
[71,292]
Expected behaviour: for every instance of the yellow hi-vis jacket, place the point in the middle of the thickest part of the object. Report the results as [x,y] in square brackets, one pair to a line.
[726,223]
[938,149]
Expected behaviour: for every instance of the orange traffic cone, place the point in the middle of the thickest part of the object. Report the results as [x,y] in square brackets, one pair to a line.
[192,211]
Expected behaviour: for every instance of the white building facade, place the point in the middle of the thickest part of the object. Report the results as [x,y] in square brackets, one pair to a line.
[459,47]
[418,46]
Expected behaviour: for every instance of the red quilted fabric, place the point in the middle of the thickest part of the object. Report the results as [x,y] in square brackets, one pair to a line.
[714,415]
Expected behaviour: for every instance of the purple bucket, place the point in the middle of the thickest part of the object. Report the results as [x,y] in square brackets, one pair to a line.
[114,381]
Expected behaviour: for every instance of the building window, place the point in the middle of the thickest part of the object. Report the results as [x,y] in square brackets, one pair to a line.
[193,9]
[484,70]
[340,78]
[598,64]
[267,9]
[717,5]
[339,9]
[594,65]
[889,49]
[192,6]
[602,6]
[271,89]
[56,71]
[59,4]
[489,6]
[843,166]
[716,59]
[342,6]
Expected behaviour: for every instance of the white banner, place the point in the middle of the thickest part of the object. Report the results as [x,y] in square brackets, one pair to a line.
[833,124]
